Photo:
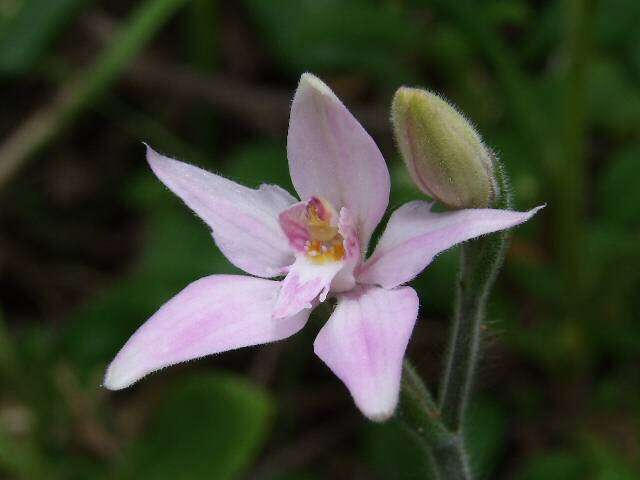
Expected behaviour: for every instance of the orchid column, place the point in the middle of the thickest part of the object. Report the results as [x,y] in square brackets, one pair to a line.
[448,161]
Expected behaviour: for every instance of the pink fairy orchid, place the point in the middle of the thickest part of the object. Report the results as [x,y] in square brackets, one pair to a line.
[318,245]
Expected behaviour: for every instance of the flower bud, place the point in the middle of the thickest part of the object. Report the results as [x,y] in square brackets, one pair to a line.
[444,154]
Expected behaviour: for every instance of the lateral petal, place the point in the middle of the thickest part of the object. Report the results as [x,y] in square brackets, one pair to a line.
[244,221]
[211,315]
[415,235]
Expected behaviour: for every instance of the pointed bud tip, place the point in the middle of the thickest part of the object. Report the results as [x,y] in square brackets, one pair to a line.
[406,95]
[444,154]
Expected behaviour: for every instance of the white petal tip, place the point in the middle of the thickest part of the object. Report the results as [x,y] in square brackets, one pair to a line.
[533,211]
[309,80]
[114,380]
[166,168]
[155,160]
[381,416]
[153,157]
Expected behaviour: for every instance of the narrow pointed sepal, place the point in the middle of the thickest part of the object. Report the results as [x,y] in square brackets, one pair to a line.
[211,315]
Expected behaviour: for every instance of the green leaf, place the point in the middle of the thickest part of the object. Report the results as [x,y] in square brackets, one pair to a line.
[27,33]
[208,426]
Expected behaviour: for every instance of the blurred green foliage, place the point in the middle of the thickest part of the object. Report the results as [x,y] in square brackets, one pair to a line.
[27,29]
[314,35]
[552,85]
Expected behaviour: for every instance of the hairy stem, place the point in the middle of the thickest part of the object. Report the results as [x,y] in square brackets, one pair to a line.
[420,415]
[479,264]
[450,460]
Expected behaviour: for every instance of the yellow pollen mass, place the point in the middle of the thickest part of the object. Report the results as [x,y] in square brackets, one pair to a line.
[322,252]
[325,244]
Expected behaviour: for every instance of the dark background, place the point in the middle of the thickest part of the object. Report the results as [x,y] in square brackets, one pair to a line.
[91,243]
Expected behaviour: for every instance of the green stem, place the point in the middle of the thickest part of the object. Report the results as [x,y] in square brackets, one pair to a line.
[437,428]
[480,261]
[451,461]
[420,416]
[418,408]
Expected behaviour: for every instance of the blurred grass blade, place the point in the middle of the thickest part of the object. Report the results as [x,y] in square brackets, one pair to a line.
[202,42]
[80,92]
[139,125]
[6,349]
[25,35]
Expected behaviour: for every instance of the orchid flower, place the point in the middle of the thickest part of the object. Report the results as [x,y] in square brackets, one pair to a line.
[318,244]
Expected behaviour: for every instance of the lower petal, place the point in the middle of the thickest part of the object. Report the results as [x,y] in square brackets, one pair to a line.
[364,343]
[211,315]
[305,281]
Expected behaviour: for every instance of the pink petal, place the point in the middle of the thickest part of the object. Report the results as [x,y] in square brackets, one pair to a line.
[364,343]
[305,281]
[244,221]
[332,156]
[211,315]
[415,235]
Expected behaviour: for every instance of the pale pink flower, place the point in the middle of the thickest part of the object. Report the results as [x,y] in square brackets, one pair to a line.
[318,245]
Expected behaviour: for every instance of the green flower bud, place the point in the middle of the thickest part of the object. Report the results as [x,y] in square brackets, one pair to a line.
[444,154]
